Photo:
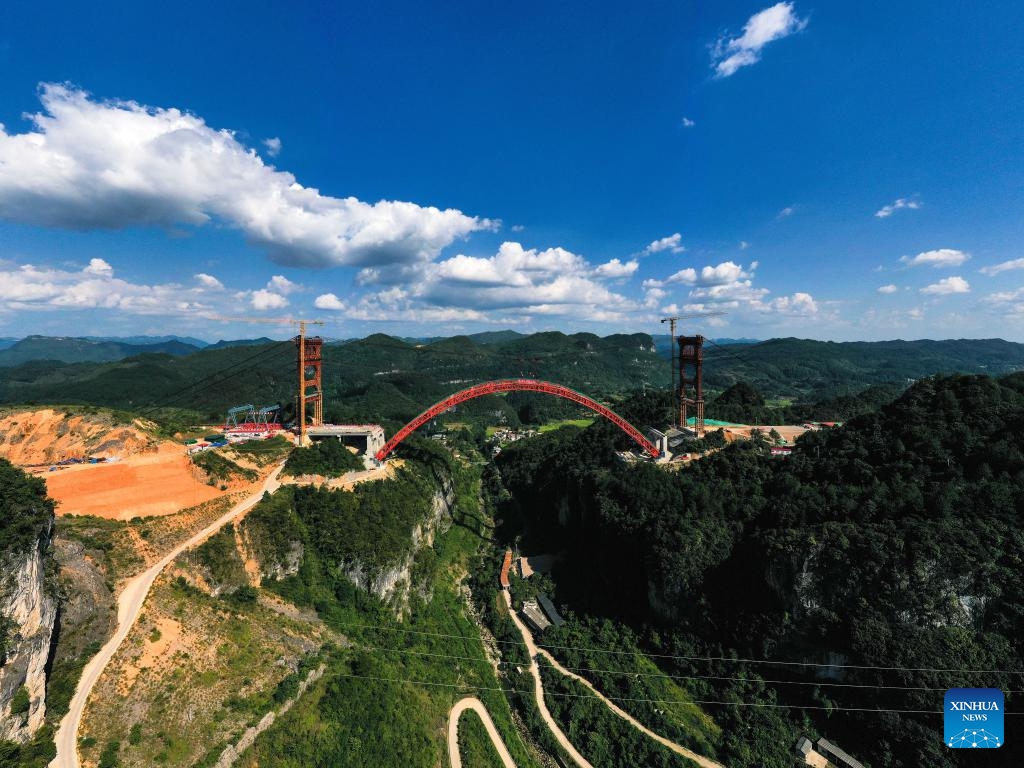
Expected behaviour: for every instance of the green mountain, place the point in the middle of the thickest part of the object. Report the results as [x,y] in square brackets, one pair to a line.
[80,350]
[798,368]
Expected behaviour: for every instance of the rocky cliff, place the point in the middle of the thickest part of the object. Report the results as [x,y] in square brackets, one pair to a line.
[28,611]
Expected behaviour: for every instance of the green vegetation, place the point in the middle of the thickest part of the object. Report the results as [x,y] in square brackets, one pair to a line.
[475,745]
[894,541]
[219,467]
[223,567]
[25,511]
[20,703]
[329,458]
[263,452]
[581,423]
[365,711]
[601,736]
[37,753]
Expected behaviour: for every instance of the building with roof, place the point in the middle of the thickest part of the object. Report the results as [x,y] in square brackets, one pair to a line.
[534,616]
[549,610]
[506,564]
[837,756]
[804,746]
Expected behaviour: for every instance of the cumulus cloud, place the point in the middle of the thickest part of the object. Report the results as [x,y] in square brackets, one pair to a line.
[1005,266]
[273,146]
[947,286]
[899,204]
[724,273]
[615,269]
[672,244]
[730,54]
[90,164]
[209,282]
[887,288]
[329,301]
[943,257]
[264,299]
[688,123]
[281,284]
[28,287]
[798,305]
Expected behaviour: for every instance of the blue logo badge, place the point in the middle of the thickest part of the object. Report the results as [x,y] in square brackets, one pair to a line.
[974,718]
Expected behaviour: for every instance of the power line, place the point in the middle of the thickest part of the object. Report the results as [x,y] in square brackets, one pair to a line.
[178,394]
[693,658]
[644,700]
[753,680]
[630,673]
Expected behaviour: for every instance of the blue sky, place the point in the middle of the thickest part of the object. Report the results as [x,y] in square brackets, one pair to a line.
[824,170]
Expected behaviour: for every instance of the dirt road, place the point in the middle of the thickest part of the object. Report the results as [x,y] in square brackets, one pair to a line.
[477,706]
[534,651]
[538,690]
[129,605]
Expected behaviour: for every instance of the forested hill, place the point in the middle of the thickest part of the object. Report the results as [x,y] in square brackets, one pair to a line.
[799,367]
[385,378]
[893,542]
[379,377]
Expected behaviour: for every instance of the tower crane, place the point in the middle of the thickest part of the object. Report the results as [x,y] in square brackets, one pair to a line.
[309,365]
[676,386]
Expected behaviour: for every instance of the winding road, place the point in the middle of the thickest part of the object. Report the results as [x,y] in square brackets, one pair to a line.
[534,652]
[129,606]
[471,702]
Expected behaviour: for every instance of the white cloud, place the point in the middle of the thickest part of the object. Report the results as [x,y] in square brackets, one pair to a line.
[887,288]
[786,212]
[329,301]
[281,284]
[1001,297]
[943,257]
[518,227]
[798,305]
[744,245]
[264,299]
[672,244]
[273,146]
[773,23]
[688,123]
[99,267]
[947,285]
[27,287]
[209,282]
[888,210]
[724,273]
[1005,266]
[90,164]
[616,269]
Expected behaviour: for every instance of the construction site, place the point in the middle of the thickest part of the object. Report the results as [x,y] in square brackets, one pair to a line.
[95,467]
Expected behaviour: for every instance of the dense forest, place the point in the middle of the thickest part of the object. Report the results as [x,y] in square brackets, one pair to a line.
[883,553]
[389,380]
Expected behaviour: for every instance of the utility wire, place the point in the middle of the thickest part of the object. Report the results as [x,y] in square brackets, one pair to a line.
[164,400]
[643,700]
[629,673]
[691,658]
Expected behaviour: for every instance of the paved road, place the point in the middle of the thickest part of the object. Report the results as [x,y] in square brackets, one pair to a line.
[129,605]
[704,762]
[538,690]
[477,706]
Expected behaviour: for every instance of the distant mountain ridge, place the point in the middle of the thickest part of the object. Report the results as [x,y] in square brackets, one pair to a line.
[82,350]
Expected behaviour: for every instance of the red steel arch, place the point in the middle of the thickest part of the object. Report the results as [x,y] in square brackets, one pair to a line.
[516,385]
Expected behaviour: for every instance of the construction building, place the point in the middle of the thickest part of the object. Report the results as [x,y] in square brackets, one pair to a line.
[366,438]
[535,616]
[836,756]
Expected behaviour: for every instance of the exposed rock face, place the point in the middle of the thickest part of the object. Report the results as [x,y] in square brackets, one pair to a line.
[31,610]
[394,584]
